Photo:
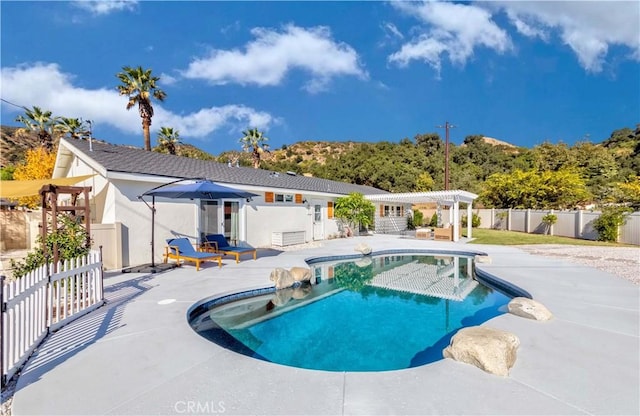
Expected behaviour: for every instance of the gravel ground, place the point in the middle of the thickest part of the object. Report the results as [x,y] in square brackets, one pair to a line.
[623,262]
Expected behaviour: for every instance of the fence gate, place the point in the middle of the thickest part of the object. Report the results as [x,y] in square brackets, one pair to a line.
[39,302]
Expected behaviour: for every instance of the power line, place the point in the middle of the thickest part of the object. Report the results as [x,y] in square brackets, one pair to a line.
[15,105]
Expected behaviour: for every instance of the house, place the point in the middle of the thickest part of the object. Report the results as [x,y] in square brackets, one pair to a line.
[289,208]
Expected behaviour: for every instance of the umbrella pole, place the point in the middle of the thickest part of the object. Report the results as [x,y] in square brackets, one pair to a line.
[153,222]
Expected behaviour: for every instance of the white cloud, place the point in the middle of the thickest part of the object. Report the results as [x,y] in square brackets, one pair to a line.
[392,31]
[167,79]
[102,7]
[266,60]
[589,28]
[46,86]
[451,28]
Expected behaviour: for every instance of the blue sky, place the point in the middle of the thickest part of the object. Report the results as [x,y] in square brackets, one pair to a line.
[523,72]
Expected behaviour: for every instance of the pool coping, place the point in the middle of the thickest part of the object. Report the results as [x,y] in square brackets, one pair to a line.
[135,356]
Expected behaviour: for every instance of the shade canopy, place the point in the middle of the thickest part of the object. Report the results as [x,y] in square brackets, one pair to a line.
[18,189]
[199,190]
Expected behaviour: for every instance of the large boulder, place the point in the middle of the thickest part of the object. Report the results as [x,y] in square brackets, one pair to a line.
[482,259]
[529,308]
[282,278]
[363,248]
[300,274]
[491,350]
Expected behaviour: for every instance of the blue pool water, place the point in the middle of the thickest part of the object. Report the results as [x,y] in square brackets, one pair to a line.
[369,314]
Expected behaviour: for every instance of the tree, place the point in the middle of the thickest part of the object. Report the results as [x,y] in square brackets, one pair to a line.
[629,192]
[430,143]
[554,157]
[139,86]
[6,173]
[73,127]
[424,183]
[355,209]
[254,142]
[534,189]
[168,138]
[39,163]
[40,122]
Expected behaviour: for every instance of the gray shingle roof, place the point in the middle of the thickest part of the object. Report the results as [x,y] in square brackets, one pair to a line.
[126,159]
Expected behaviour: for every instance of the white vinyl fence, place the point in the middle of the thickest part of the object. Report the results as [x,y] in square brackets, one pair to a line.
[43,301]
[574,224]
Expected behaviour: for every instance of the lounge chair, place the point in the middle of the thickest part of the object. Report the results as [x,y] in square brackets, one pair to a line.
[217,243]
[182,249]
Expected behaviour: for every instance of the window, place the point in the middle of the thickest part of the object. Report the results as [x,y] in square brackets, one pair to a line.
[391,211]
[271,197]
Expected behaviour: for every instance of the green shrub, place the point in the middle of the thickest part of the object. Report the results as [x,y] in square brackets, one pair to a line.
[410,224]
[608,223]
[475,220]
[418,217]
[71,239]
[549,220]
[434,220]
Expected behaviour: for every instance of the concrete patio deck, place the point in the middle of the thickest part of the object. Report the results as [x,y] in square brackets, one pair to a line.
[137,354]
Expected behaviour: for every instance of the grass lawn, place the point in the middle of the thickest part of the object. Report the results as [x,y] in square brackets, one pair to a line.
[513,238]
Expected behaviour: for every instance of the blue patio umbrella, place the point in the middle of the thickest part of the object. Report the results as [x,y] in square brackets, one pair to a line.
[200,189]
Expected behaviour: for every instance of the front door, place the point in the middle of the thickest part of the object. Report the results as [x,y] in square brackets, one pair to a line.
[318,225]
[231,220]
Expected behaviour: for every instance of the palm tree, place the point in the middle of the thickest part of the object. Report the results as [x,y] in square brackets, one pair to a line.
[40,122]
[139,86]
[168,138]
[254,142]
[73,127]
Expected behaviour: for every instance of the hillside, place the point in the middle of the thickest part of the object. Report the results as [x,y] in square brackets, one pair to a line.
[14,143]
[413,165]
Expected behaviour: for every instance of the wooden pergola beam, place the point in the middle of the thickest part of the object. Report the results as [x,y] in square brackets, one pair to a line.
[49,203]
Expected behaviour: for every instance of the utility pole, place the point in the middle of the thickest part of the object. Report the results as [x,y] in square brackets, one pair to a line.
[446,127]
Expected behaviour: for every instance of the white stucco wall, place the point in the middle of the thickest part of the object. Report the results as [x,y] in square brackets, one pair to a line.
[266,218]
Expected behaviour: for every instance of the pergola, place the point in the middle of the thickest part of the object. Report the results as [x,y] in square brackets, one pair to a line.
[442,198]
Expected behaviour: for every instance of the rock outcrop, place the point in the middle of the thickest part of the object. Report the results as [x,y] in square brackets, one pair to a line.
[491,350]
[300,274]
[482,259]
[363,248]
[529,308]
[284,278]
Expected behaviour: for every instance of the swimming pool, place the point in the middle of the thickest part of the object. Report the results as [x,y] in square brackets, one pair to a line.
[360,313]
